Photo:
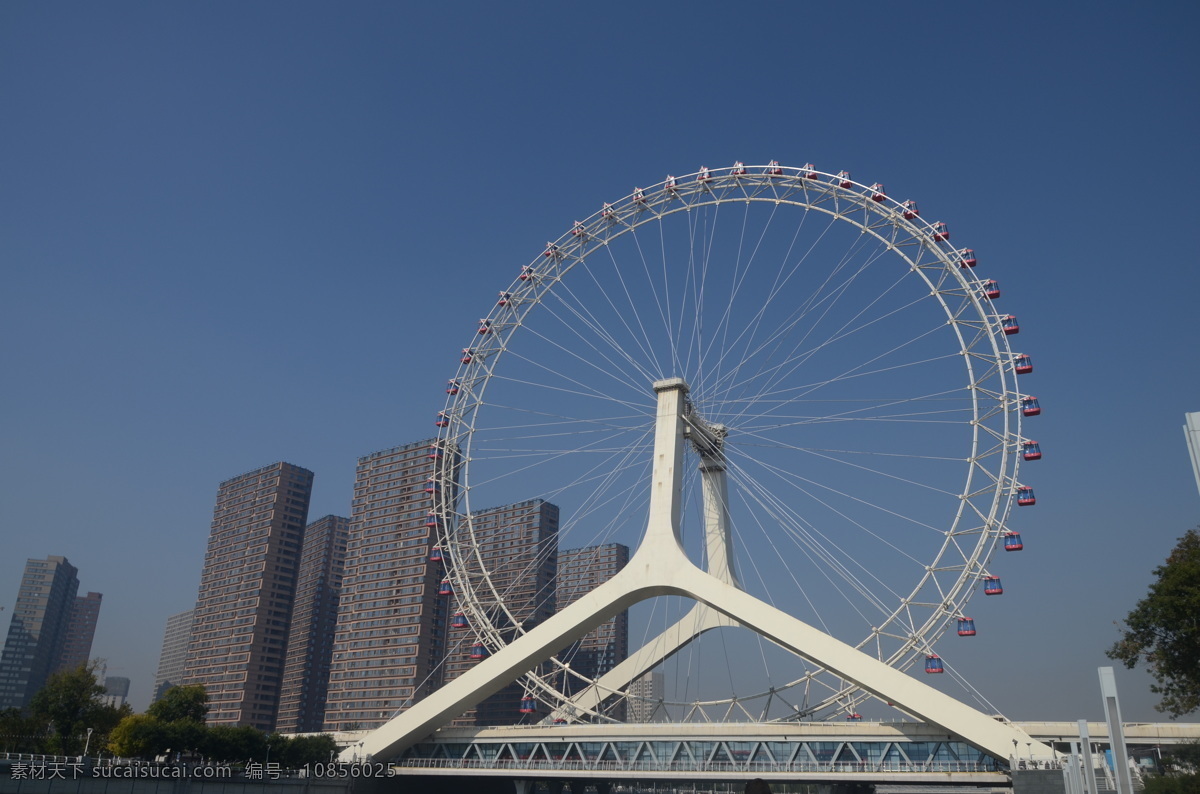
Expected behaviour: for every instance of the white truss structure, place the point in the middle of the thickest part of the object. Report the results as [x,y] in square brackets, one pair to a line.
[661,567]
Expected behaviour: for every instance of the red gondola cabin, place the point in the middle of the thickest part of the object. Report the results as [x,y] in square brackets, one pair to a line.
[445,588]
[504,298]
[442,420]
[991,289]
[467,354]
[1025,497]
[459,621]
[1012,541]
[1009,325]
[910,209]
[703,175]
[479,651]
[878,193]
[485,326]
[528,705]
[526,272]
[854,717]
[739,168]
[992,586]
[966,627]
[1030,406]
[966,257]
[933,664]
[435,554]
[809,171]
[1030,450]
[941,231]
[1022,364]
[843,179]
[773,168]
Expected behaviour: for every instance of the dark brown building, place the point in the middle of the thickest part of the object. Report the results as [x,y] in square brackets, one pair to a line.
[391,626]
[314,619]
[244,608]
[38,629]
[81,629]
[518,545]
[579,572]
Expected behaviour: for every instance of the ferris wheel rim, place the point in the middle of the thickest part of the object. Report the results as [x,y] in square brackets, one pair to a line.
[652,205]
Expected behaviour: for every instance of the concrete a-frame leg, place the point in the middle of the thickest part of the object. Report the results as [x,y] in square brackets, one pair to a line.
[660,567]
[709,443]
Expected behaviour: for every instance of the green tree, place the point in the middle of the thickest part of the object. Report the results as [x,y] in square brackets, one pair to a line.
[71,703]
[1163,630]
[187,736]
[139,736]
[20,733]
[181,703]
[234,743]
[1173,784]
[301,750]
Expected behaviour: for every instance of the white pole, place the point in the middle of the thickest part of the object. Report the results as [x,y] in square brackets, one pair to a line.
[1089,766]
[1116,732]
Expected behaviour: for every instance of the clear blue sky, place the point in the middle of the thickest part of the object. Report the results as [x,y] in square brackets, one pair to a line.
[232,234]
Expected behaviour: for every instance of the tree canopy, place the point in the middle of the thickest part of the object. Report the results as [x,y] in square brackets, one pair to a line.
[1163,630]
[71,703]
[181,703]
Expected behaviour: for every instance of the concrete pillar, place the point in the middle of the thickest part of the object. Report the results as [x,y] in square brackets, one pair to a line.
[1089,764]
[1116,731]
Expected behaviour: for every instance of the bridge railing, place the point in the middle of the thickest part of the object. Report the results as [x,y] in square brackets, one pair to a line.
[693,766]
[39,758]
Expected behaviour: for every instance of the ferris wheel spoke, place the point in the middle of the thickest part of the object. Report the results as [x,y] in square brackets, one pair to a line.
[790,365]
[791,323]
[642,337]
[740,273]
[809,545]
[806,533]
[583,320]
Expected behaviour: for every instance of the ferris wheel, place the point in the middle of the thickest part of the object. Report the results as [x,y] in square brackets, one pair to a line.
[859,372]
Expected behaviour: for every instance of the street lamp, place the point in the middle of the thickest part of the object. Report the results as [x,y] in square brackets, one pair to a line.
[88,743]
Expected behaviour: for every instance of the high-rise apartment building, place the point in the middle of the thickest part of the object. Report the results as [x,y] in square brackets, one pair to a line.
[645,698]
[391,626]
[579,572]
[244,607]
[173,657]
[116,690]
[518,545]
[38,629]
[81,629]
[314,618]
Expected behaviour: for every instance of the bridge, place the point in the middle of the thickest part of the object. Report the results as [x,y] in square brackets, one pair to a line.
[948,743]
[661,567]
[900,753]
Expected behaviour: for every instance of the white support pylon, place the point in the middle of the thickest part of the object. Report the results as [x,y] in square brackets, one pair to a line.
[709,443]
[660,567]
